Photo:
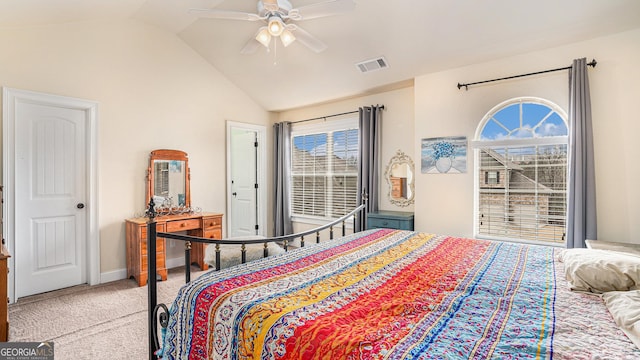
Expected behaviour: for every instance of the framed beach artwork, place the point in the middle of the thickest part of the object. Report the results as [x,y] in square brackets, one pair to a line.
[444,155]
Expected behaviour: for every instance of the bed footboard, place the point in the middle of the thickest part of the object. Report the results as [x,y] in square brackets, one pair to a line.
[159,313]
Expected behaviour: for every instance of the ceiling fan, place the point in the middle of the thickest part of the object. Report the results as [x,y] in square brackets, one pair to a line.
[279,17]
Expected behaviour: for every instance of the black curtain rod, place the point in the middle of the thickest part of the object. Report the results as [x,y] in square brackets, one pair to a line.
[328,116]
[466,86]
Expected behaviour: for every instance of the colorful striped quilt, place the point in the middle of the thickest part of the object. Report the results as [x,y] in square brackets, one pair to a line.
[389,294]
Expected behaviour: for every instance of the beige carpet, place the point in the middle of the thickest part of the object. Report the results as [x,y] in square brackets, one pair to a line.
[107,321]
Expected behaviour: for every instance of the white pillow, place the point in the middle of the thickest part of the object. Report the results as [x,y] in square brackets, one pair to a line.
[230,254]
[599,271]
[624,306]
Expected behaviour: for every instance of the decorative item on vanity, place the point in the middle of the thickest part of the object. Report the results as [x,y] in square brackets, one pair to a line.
[168,208]
[168,179]
[400,178]
[444,155]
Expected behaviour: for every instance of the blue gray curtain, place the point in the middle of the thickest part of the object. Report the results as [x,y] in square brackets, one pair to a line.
[281,179]
[369,160]
[581,204]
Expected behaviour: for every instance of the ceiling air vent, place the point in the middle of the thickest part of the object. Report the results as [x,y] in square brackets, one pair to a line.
[372,65]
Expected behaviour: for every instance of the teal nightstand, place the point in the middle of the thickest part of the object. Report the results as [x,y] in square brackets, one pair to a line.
[390,219]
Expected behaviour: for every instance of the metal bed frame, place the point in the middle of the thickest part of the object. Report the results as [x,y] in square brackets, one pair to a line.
[159,313]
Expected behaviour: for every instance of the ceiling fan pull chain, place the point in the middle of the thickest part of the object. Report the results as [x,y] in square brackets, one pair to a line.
[275,53]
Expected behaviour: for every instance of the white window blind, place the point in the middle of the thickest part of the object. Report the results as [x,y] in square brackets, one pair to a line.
[529,201]
[324,169]
[522,169]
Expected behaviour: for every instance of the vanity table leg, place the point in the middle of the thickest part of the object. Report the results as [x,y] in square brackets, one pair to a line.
[197,252]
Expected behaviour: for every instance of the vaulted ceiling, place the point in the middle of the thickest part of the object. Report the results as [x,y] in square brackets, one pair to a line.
[415,37]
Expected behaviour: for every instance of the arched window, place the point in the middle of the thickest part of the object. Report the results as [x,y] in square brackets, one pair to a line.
[521,171]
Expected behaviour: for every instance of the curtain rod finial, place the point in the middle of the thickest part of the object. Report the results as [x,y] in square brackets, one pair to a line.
[593,63]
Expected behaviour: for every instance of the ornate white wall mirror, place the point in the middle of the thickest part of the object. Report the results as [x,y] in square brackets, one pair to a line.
[400,177]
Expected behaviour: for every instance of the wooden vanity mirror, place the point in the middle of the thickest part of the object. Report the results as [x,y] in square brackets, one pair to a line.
[168,179]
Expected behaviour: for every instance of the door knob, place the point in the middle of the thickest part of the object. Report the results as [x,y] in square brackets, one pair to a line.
[234,193]
[80,206]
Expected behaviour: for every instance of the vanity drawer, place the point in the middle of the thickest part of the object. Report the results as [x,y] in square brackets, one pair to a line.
[212,234]
[179,225]
[212,222]
[143,230]
[160,262]
[160,245]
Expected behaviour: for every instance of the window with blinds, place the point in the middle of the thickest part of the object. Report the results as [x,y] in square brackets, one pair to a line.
[324,169]
[521,154]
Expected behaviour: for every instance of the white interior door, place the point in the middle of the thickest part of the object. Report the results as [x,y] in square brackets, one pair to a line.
[246,184]
[50,187]
[50,215]
[244,171]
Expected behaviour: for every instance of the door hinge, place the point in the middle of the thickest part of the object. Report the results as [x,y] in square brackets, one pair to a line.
[255,144]
[255,186]
[256,227]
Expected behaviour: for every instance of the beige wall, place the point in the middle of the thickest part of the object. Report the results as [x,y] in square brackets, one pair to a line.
[153,92]
[397,128]
[444,202]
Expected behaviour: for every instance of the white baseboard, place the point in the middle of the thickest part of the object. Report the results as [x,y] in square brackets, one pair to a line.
[120,274]
[114,275]
[175,262]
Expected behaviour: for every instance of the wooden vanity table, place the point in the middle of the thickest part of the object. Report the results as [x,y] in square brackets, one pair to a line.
[168,184]
[208,225]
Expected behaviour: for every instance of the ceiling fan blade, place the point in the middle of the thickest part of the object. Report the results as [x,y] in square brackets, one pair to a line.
[171,15]
[322,9]
[270,5]
[225,14]
[250,47]
[307,39]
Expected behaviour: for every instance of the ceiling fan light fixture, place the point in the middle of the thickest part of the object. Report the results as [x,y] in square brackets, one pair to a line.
[264,37]
[278,18]
[276,26]
[287,38]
